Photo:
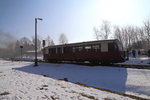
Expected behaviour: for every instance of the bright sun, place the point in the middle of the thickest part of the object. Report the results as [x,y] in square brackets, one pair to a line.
[115,10]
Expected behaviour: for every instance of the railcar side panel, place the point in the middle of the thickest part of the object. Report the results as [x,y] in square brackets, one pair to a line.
[105,51]
[87,56]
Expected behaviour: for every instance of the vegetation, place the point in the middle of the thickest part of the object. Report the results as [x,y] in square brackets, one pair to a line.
[131,37]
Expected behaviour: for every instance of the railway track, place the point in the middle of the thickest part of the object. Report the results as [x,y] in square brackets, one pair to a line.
[108,65]
[133,66]
[94,65]
[116,65]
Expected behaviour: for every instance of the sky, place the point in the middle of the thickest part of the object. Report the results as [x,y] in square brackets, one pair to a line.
[75,18]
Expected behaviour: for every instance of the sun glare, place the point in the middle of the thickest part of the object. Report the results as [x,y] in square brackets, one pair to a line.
[115,10]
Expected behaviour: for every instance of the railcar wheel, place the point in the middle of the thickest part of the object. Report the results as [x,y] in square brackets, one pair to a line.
[94,62]
[105,63]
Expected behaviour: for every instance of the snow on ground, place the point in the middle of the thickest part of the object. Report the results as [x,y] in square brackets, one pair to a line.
[124,80]
[139,60]
[138,82]
[17,84]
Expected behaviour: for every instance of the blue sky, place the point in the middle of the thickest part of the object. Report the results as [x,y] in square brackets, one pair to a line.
[75,18]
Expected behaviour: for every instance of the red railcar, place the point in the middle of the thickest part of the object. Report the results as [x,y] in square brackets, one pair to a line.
[101,51]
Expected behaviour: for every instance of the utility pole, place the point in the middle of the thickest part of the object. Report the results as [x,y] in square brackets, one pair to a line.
[21,47]
[36,63]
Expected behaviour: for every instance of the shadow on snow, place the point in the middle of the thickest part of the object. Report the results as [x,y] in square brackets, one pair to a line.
[111,78]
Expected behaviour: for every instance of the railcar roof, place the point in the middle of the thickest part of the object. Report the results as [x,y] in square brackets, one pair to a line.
[81,43]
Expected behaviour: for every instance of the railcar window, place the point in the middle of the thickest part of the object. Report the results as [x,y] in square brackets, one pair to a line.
[80,48]
[96,48]
[65,50]
[69,49]
[49,50]
[87,48]
[73,49]
[59,51]
[112,47]
[62,50]
[77,49]
[52,50]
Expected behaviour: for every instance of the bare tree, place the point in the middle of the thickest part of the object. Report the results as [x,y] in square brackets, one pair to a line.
[147,28]
[130,36]
[142,38]
[63,39]
[136,38]
[96,33]
[141,34]
[147,31]
[25,41]
[104,31]
[118,34]
[26,44]
[125,38]
[125,35]
[39,42]
[49,41]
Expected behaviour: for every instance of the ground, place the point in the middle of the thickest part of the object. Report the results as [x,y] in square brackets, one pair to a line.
[23,81]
